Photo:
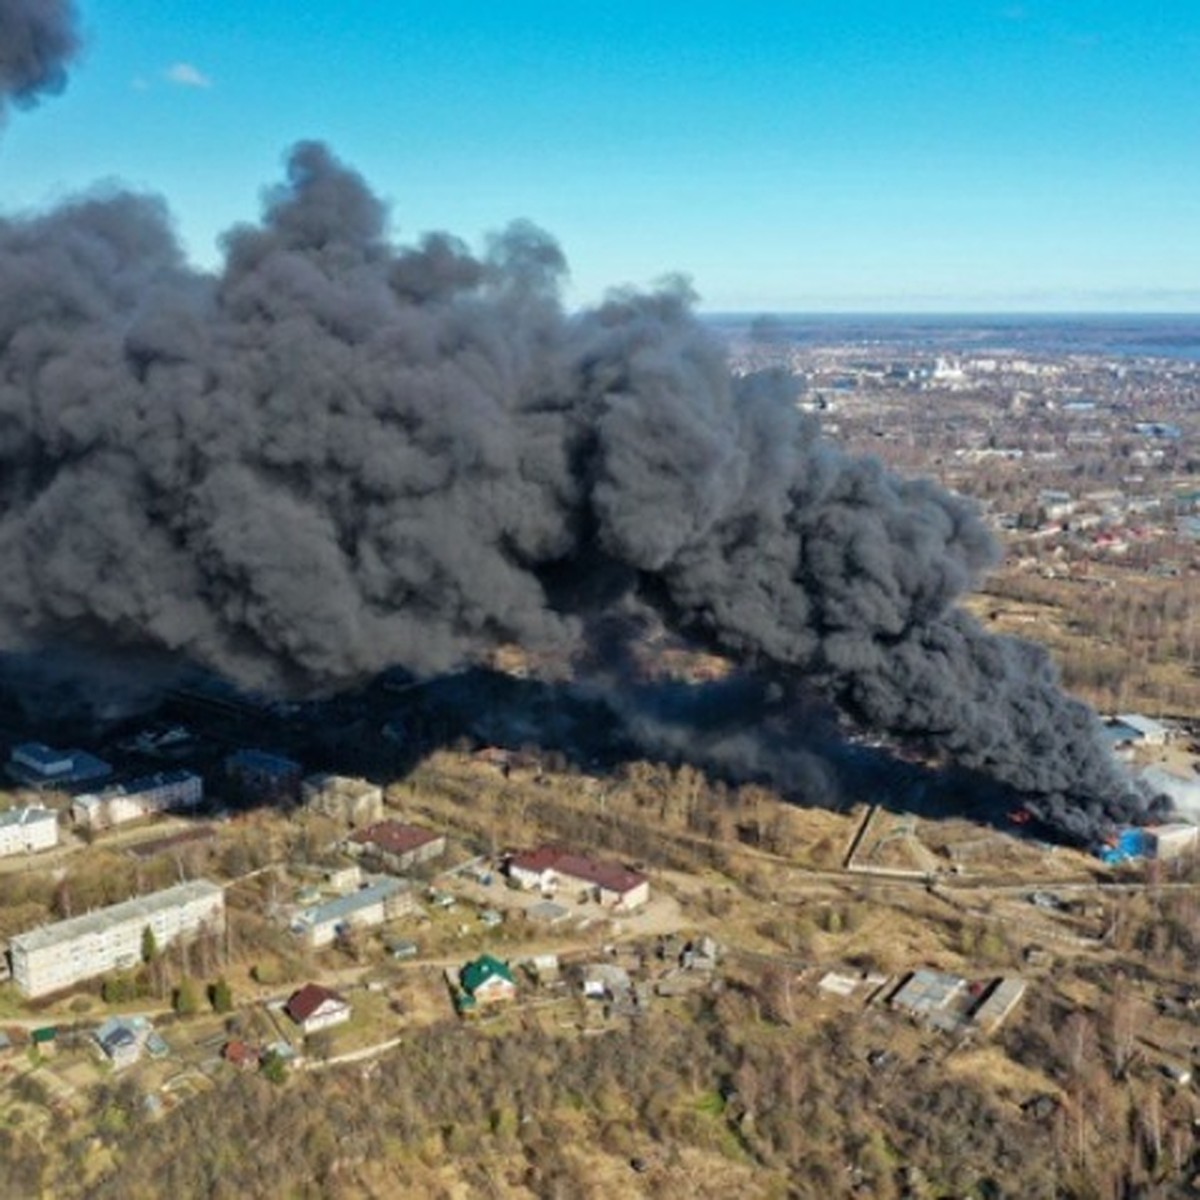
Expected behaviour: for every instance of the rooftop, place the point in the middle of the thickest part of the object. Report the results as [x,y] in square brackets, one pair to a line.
[138,786]
[27,816]
[43,757]
[346,785]
[37,764]
[262,761]
[544,858]
[926,992]
[394,837]
[302,1004]
[347,906]
[609,875]
[1145,726]
[482,971]
[139,908]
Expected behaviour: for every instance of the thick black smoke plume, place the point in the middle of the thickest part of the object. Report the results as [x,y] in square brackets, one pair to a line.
[337,456]
[37,40]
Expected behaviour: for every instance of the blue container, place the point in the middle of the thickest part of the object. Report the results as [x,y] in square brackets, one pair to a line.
[1132,843]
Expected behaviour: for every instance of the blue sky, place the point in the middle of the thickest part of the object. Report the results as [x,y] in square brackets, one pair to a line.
[824,155]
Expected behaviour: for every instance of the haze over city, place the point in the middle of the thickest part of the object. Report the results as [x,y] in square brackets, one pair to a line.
[789,157]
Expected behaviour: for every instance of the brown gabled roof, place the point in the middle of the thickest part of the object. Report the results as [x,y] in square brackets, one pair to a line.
[544,858]
[609,875]
[240,1053]
[307,1000]
[394,837]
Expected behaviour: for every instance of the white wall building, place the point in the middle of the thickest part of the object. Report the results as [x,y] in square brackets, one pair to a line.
[167,791]
[56,956]
[23,830]
[551,870]
[314,1008]
[379,901]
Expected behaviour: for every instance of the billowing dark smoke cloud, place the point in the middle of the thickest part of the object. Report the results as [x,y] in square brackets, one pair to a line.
[38,38]
[338,455]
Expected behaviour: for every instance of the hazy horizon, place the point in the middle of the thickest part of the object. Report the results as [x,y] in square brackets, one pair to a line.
[818,157]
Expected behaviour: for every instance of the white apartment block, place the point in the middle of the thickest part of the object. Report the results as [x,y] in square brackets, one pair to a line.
[165,792]
[23,830]
[57,956]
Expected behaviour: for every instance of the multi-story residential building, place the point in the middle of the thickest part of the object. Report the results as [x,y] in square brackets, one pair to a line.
[57,956]
[168,791]
[354,801]
[23,830]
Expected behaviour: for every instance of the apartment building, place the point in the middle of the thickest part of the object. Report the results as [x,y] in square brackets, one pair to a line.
[57,956]
[167,791]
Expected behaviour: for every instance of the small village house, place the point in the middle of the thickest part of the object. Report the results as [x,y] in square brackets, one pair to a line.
[486,981]
[314,1008]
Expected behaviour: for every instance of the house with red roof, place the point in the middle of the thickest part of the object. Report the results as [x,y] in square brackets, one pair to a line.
[551,869]
[315,1007]
[241,1055]
[397,846]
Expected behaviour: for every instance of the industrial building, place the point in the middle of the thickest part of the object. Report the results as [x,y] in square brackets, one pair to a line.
[549,868]
[1127,731]
[397,846]
[380,901]
[354,801]
[1153,841]
[39,766]
[56,956]
[264,777]
[1171,841]
[24,830]
[167,791]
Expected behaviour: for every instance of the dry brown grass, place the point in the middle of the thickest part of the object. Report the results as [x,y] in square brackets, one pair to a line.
[1008,1079]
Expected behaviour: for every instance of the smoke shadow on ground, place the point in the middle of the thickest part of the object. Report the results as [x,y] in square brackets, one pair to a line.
[736,731]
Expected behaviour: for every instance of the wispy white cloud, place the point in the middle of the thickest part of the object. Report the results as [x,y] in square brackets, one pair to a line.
[184,74]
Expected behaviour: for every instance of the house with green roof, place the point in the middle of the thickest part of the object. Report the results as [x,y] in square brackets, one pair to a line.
[486,980]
